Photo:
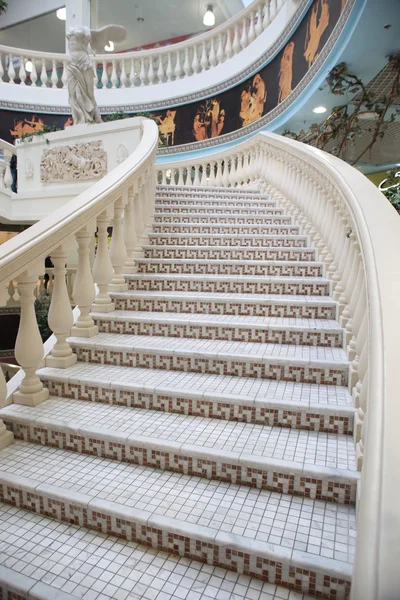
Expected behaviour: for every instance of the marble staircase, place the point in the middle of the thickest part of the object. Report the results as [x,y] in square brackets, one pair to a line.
[209,421]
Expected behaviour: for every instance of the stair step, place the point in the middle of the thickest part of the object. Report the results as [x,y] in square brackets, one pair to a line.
[216,209]
[228,218]
[213,201]
[260,401]
[221,240]
[237,252]
[261,231]
[218,191]
[271,535]
[321,332]
[263,305]
[128,569]
[305,286]
[310,464]
[306,364]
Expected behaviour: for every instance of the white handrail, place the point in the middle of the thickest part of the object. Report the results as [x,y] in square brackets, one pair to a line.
[356,233]
[148,67]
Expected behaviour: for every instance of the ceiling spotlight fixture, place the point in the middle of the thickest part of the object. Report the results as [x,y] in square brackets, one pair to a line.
[319,109]
[62,14]
[28,66]
[110,47]
[209,17]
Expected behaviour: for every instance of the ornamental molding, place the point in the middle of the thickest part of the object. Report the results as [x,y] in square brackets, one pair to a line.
[29,169]
[75,162]
[122,154]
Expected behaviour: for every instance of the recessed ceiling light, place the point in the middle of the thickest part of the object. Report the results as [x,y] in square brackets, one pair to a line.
[319,109]
[110,47]
[28,66]
[62,14]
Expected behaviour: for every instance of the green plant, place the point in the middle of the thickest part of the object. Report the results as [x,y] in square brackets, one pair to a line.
[391,188]
[3,6]
[42,306]
[45,129]
[116,116]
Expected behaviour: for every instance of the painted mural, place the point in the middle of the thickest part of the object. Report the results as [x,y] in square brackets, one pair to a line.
[230,110]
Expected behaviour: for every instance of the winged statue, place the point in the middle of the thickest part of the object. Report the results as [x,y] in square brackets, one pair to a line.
[82,44]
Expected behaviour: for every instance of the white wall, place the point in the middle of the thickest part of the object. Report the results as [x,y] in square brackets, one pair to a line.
[22,10]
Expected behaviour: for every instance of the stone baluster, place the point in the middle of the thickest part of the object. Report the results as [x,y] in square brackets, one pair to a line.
[11,70]
[54,76]
[259,25]
[163,177]
[220,48]
[114,76]
[6,437]
[204,57]
[124,77]
[151,75]
[104,76]
[252,30]
[169,72]
[64,75]
[186,64]
[102,266]
[142,72]
[7,173]
[178,65]
[117,249]
[43,74]
[212,58]
[60,316]
[274,9]
[33,75]
[132,73]
[84,291]
[29,350]
[236,40]
[160,70]
[195,61]
[1,68]
[244,40]
[212,173]
[225,177]
[196,180]
[22,72]
[218,177]
[267,14]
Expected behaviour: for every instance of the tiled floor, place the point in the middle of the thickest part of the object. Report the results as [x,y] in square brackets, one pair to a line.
[302,447]
[92,566]
[316,527]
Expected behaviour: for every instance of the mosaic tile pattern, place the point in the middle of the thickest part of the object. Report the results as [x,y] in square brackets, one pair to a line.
[230,239]
[244,218]
[238,253]
[217,209]
[227,229]
[230,267]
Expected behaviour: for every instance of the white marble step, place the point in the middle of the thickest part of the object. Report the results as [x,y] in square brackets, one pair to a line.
[306,364]
[248,454]
[261,229]
[223,523]
[315,332]
[234,252]
[223,240]
[247,284]
[213,200]
[222,214]
[260,401]
[216,209]
[128,571]
[268,305]
[209,191]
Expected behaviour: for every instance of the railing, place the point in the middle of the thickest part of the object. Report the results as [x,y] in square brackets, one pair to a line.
[44,287]
[6,152]
[356,234]
[126,197]
[147,67]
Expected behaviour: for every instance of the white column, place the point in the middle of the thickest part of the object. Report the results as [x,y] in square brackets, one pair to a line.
[84,291]
[60,316]
[78,12]
[6,437]
[102,267]
[29,349]
[118,250]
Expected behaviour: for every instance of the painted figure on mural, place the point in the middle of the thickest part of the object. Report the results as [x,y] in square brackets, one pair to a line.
[166,127]
[209,120]
[252,102]
[81,43]
[318,21]
[286,72]
[24,126]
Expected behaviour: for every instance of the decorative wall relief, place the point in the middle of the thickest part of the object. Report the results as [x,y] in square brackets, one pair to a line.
[28,169]
[76,162]
[122,154]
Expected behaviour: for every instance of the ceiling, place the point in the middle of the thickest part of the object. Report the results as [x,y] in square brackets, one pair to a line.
[163,20]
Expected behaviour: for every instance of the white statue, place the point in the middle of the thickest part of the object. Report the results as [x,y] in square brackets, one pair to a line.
[82,42]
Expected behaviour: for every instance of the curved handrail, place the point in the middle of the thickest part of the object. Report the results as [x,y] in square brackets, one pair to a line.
[38,241]
[155,65]
[356,233]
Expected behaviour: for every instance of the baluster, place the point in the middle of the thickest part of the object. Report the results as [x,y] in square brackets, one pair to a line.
[1,68]
[195,61]
[244,40]
[7,175]
[212,57]
[54,76]
[151,75]
[114,76]
[84,291]
[22,72]
[267,14]
[130,233]
[6,437]
[132,73]
[33,75]
[178,66]
[236,41]
[218,177]
[164,177]
[259,25]
[117,249]
[169,72]
[64,75]
[212,173]
[29,350]
[204,58]
[11,70]
[104,76]
[225,177]
[196,181]
[60,316]
[252,30]
[43,74]
[102,266]
[220,48]
[186,64]
[124,77]
[160,71]
[142,73]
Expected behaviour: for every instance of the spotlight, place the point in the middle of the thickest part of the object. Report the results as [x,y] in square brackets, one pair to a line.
[110,47]
[319,109]
[62,14]
[28,66]
[209,17]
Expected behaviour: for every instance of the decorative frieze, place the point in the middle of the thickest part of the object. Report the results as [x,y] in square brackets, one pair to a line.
[75,162]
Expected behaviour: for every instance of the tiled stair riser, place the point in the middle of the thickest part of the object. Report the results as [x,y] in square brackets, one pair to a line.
[203,202]
[228,219]
[295,418]
[328,375]
[230,254]
[306,311]
[278,479]
[222,332]
[283,287]
[217,210]
[159,533]
[215,229]
[220,268]
[228,239]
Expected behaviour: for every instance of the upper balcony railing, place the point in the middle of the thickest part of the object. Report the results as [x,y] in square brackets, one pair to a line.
[146,67]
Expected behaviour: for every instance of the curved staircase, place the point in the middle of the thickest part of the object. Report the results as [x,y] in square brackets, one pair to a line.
[209,419]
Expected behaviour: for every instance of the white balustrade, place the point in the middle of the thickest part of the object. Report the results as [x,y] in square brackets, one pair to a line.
[153,66]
